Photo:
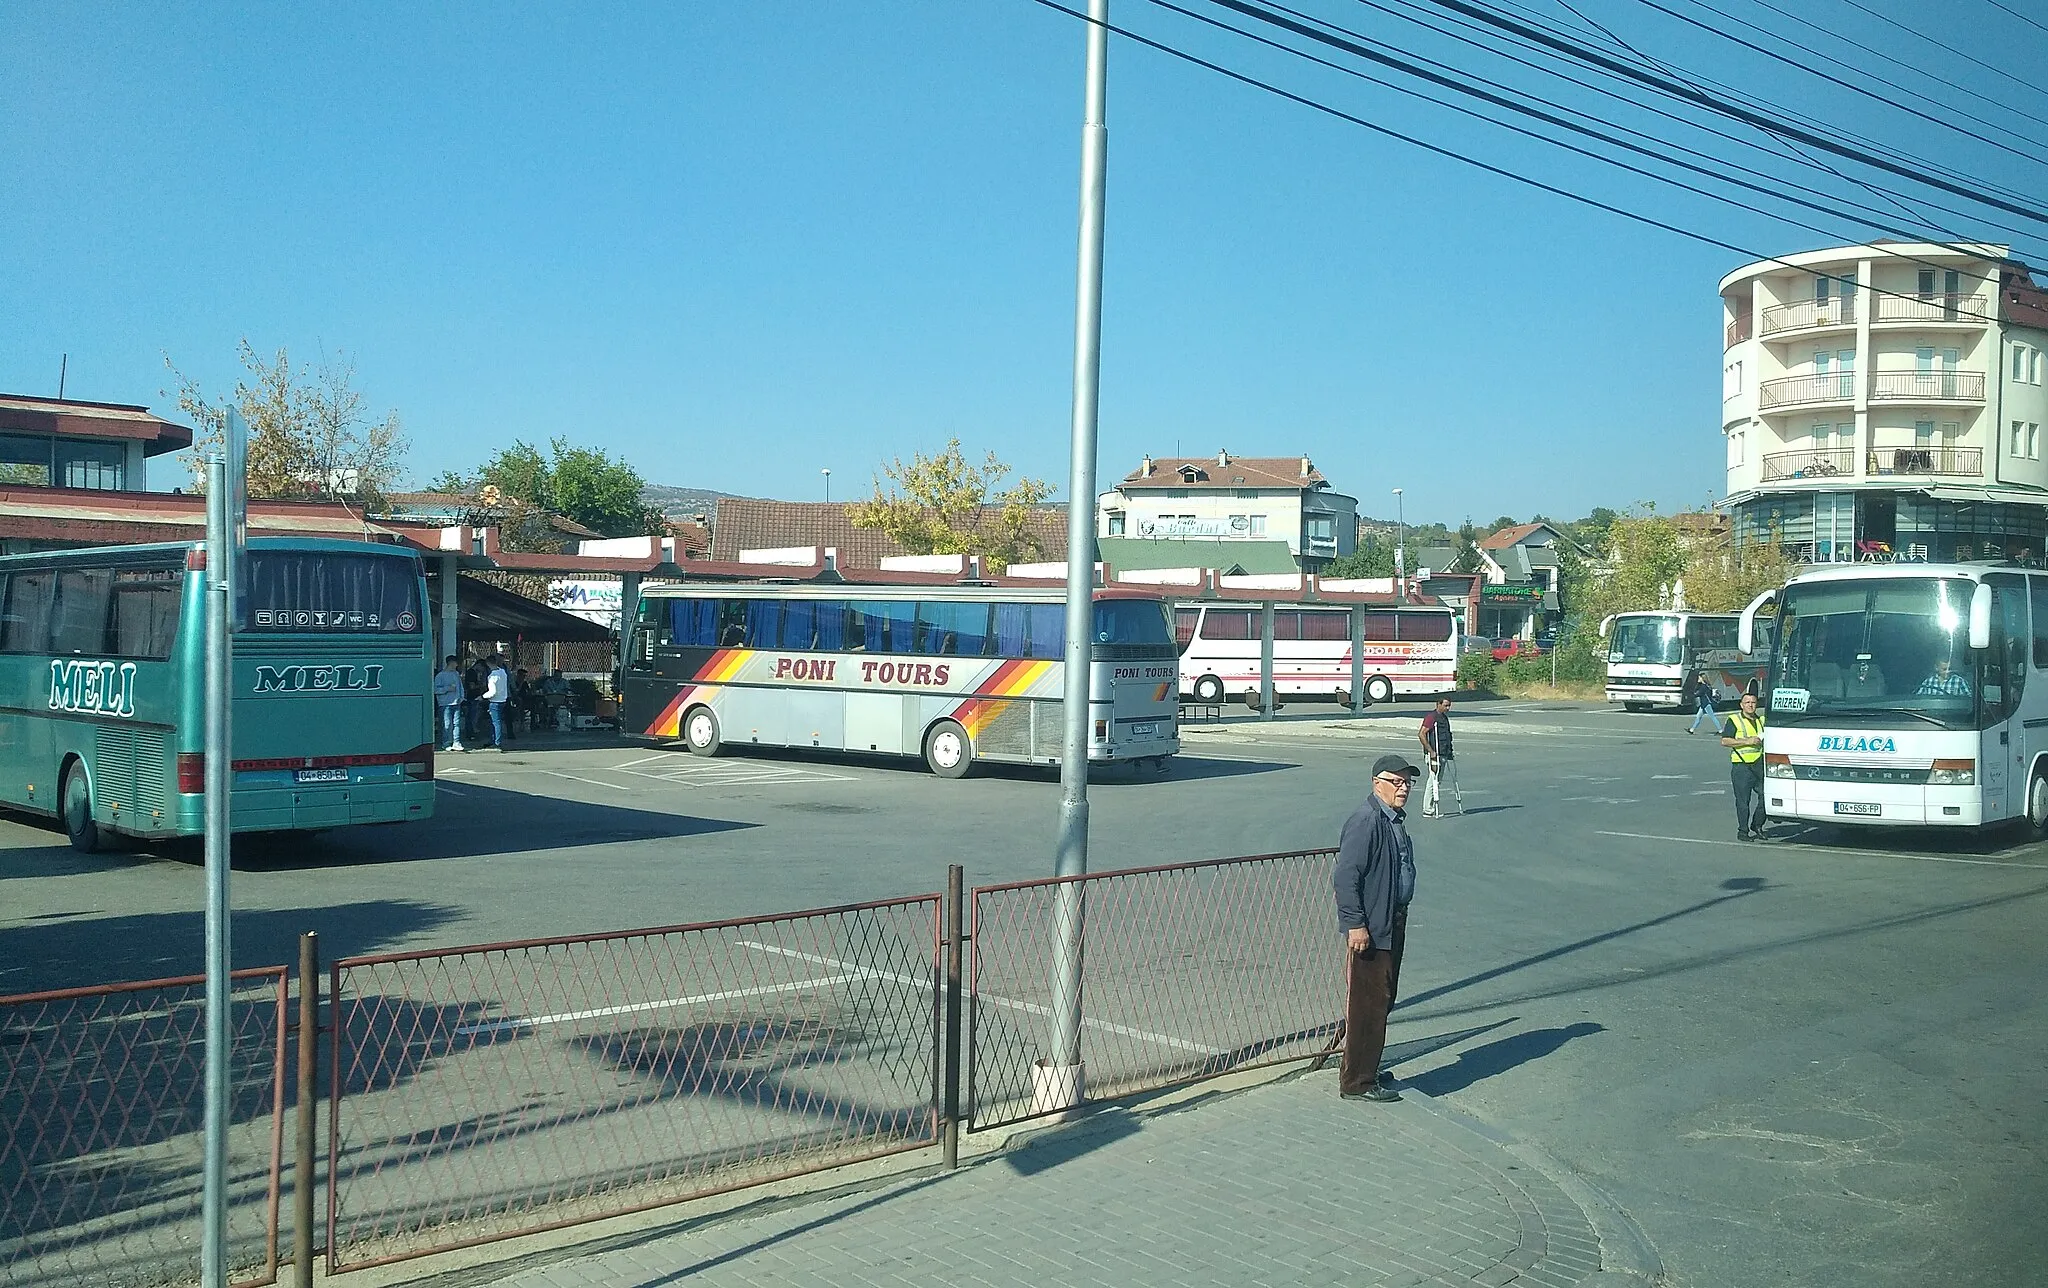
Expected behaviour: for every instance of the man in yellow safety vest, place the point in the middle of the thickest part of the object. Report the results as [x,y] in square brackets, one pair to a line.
[1745,743]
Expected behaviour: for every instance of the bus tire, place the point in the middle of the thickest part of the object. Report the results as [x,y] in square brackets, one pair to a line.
[1208,689]
[2037,804]
[948,751]
[700,731]
[74,795]
[1379,689]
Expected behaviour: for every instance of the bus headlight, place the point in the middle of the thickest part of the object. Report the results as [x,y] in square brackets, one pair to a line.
[1952,773]
[1777,765]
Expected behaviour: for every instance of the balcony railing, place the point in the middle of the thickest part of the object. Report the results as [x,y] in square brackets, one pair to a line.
[1813,463]
[1802,314]
[1927,386]
[1959,462]
[1971,309]
[1740,329]
[1834,387]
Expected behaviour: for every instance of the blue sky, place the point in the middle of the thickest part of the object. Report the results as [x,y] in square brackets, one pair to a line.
[739,243]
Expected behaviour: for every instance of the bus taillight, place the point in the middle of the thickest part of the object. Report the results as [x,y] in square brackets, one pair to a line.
[419,762]
[192,773]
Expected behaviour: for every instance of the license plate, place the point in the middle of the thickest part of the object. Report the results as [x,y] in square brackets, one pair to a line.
[321,775]
[1141,730]
[1855,807]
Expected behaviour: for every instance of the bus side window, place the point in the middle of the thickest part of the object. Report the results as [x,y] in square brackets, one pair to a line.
[1184,620]
[1321,624]
[2009,642]
[30,598]
[84,606]
[146,611]
[732,623]
[652,630]
[1425,628]
[1229,624]
[1381,626]
[945,627]
[2037,591]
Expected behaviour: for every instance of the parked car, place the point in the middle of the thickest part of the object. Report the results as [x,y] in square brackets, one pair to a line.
[1507,647]
[1475,644]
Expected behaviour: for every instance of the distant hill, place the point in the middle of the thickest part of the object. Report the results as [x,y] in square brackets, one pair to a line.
[681,502]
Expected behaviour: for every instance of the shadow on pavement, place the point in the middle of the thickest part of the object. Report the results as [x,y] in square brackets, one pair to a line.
[1402,1052]
[1499,1057]
[1050,1150]
[783,1236]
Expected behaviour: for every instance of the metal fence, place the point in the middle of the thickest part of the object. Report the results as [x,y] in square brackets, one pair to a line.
[497,1090]
[102,1124]
[1188,971]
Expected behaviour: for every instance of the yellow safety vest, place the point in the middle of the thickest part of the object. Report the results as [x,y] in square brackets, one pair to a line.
[1742,726]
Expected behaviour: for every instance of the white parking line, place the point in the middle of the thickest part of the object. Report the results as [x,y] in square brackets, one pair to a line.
[1031,1008]
[556,773]
[667,1003]
[1826,849]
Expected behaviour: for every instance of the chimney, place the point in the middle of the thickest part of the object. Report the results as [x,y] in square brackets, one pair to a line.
[1222,458]
[1304,466]
[1145,470]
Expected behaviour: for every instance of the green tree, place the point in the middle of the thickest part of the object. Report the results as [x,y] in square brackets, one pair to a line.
[944,505]
[1643,558]
[518,487]
[311,436]
[1374,557]
[1465,550]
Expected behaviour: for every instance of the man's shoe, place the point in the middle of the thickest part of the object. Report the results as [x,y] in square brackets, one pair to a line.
[1378,1095]
[457,747]
[1386,1079]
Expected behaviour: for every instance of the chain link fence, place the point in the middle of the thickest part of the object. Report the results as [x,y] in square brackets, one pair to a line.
[485,1092]
[102,1102]
[1187,971]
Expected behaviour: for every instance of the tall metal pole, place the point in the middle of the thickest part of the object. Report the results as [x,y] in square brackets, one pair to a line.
[213,1264]
[1400,543]
[1072,859]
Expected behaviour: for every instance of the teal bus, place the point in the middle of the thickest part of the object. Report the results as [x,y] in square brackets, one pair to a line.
[102,689]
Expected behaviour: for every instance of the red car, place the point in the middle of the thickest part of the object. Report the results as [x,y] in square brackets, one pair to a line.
[1505,648]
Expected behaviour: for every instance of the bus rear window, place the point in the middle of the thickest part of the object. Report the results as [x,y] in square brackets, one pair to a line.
[314,592]
[1131,621]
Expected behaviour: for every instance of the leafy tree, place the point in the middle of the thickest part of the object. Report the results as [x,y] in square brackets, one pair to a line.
[311,438]
[1374,557]
[943,505]
[518,488]
[1722,577]
[1465,550]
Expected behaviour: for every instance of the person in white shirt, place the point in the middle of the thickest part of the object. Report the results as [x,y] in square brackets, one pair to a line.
[448,701]
[498,691]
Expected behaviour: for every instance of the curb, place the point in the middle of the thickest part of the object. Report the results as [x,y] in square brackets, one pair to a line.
[1626,1254]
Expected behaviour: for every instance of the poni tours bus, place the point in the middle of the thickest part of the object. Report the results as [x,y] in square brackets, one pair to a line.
[1907,694]
[955,674]
[102,689]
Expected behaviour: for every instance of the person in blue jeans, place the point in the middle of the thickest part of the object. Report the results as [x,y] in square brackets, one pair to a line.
[1703,698]
[448,695]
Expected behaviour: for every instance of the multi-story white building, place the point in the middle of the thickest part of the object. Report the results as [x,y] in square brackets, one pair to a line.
[1243,498]
[1888,399]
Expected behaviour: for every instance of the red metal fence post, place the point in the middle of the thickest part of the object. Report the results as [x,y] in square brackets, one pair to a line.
[956,879]
[309,1083]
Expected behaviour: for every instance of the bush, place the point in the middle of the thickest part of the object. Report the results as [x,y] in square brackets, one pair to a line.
[1477,671]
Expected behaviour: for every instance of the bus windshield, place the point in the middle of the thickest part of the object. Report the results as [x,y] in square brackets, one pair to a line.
[1132,621]
[1880,648]
[314,591]
[1646,641]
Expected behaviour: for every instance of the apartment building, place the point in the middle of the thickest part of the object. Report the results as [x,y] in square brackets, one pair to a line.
[1234,498]
[1887,400]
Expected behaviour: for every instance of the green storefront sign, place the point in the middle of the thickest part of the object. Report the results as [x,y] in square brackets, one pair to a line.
[1529,594]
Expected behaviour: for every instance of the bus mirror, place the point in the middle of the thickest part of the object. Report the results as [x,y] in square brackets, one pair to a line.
[1606,622]
[1745,631]
[1980,616]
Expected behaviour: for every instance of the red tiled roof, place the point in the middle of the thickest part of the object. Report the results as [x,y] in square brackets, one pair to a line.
[693,539]
[1509,536]
[748,523]
[1232,471]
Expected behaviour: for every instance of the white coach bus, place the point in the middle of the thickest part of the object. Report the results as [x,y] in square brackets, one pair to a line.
[953,673]
[1907,694]
[1409,652]
[1653,658]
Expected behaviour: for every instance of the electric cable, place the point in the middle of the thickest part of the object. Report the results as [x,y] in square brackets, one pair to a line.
[1993,68]
[2031,22]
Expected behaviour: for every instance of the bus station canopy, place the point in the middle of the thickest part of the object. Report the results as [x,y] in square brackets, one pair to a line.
[493,613]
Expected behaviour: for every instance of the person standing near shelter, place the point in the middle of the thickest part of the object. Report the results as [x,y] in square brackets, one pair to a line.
[497,691]
[1745,741]
[1374,879]
[448,696]
[1703,705]
[1435,736]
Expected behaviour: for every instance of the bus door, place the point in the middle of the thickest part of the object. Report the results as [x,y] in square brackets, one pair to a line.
[2002,754]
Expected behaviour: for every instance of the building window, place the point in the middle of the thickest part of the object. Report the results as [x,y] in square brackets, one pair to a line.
[2019,438]
[1734,449]
[1731,380]
[1116,523]
[1321,527]
[2033,366]
[1246,493]
[1923,433]
[2033,440]
[85,464]
[2019,362]
[1258,522]
[24,460]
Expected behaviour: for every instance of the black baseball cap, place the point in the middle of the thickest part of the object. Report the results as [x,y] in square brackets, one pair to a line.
[1393,765]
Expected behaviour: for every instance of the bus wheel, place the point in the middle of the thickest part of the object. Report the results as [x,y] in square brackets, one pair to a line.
[1208,689]
[2037,804]
[948,750]
[1379,689]
[76,796]
[700,731]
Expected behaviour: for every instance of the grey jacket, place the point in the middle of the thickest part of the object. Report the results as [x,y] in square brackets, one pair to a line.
[1368,876]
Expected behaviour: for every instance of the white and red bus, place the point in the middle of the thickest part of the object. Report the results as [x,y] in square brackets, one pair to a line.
[952,673]
[1408,651]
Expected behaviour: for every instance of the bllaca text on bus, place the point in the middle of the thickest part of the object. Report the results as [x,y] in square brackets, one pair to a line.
[93,688]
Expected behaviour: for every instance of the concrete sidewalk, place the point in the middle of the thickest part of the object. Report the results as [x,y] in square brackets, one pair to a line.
[1280,1184]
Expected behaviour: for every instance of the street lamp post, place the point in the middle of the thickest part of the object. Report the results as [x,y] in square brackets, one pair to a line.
[1400,540]
[828,485]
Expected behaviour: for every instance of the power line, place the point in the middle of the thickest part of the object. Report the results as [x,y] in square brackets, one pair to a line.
[2031,22]
[1336,42]
[1780,127]
[1451,154]
[1993,68]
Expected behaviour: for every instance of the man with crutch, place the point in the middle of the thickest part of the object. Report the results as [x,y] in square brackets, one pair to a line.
[1435,736]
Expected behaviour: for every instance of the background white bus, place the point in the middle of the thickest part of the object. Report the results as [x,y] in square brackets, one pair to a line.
[1908,694]
[952,673]
[1408,651]
[1652,658]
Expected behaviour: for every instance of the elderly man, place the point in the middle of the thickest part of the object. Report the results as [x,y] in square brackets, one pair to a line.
[1375,878]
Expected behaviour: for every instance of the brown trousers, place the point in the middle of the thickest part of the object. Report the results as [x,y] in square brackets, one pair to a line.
[1371,978]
